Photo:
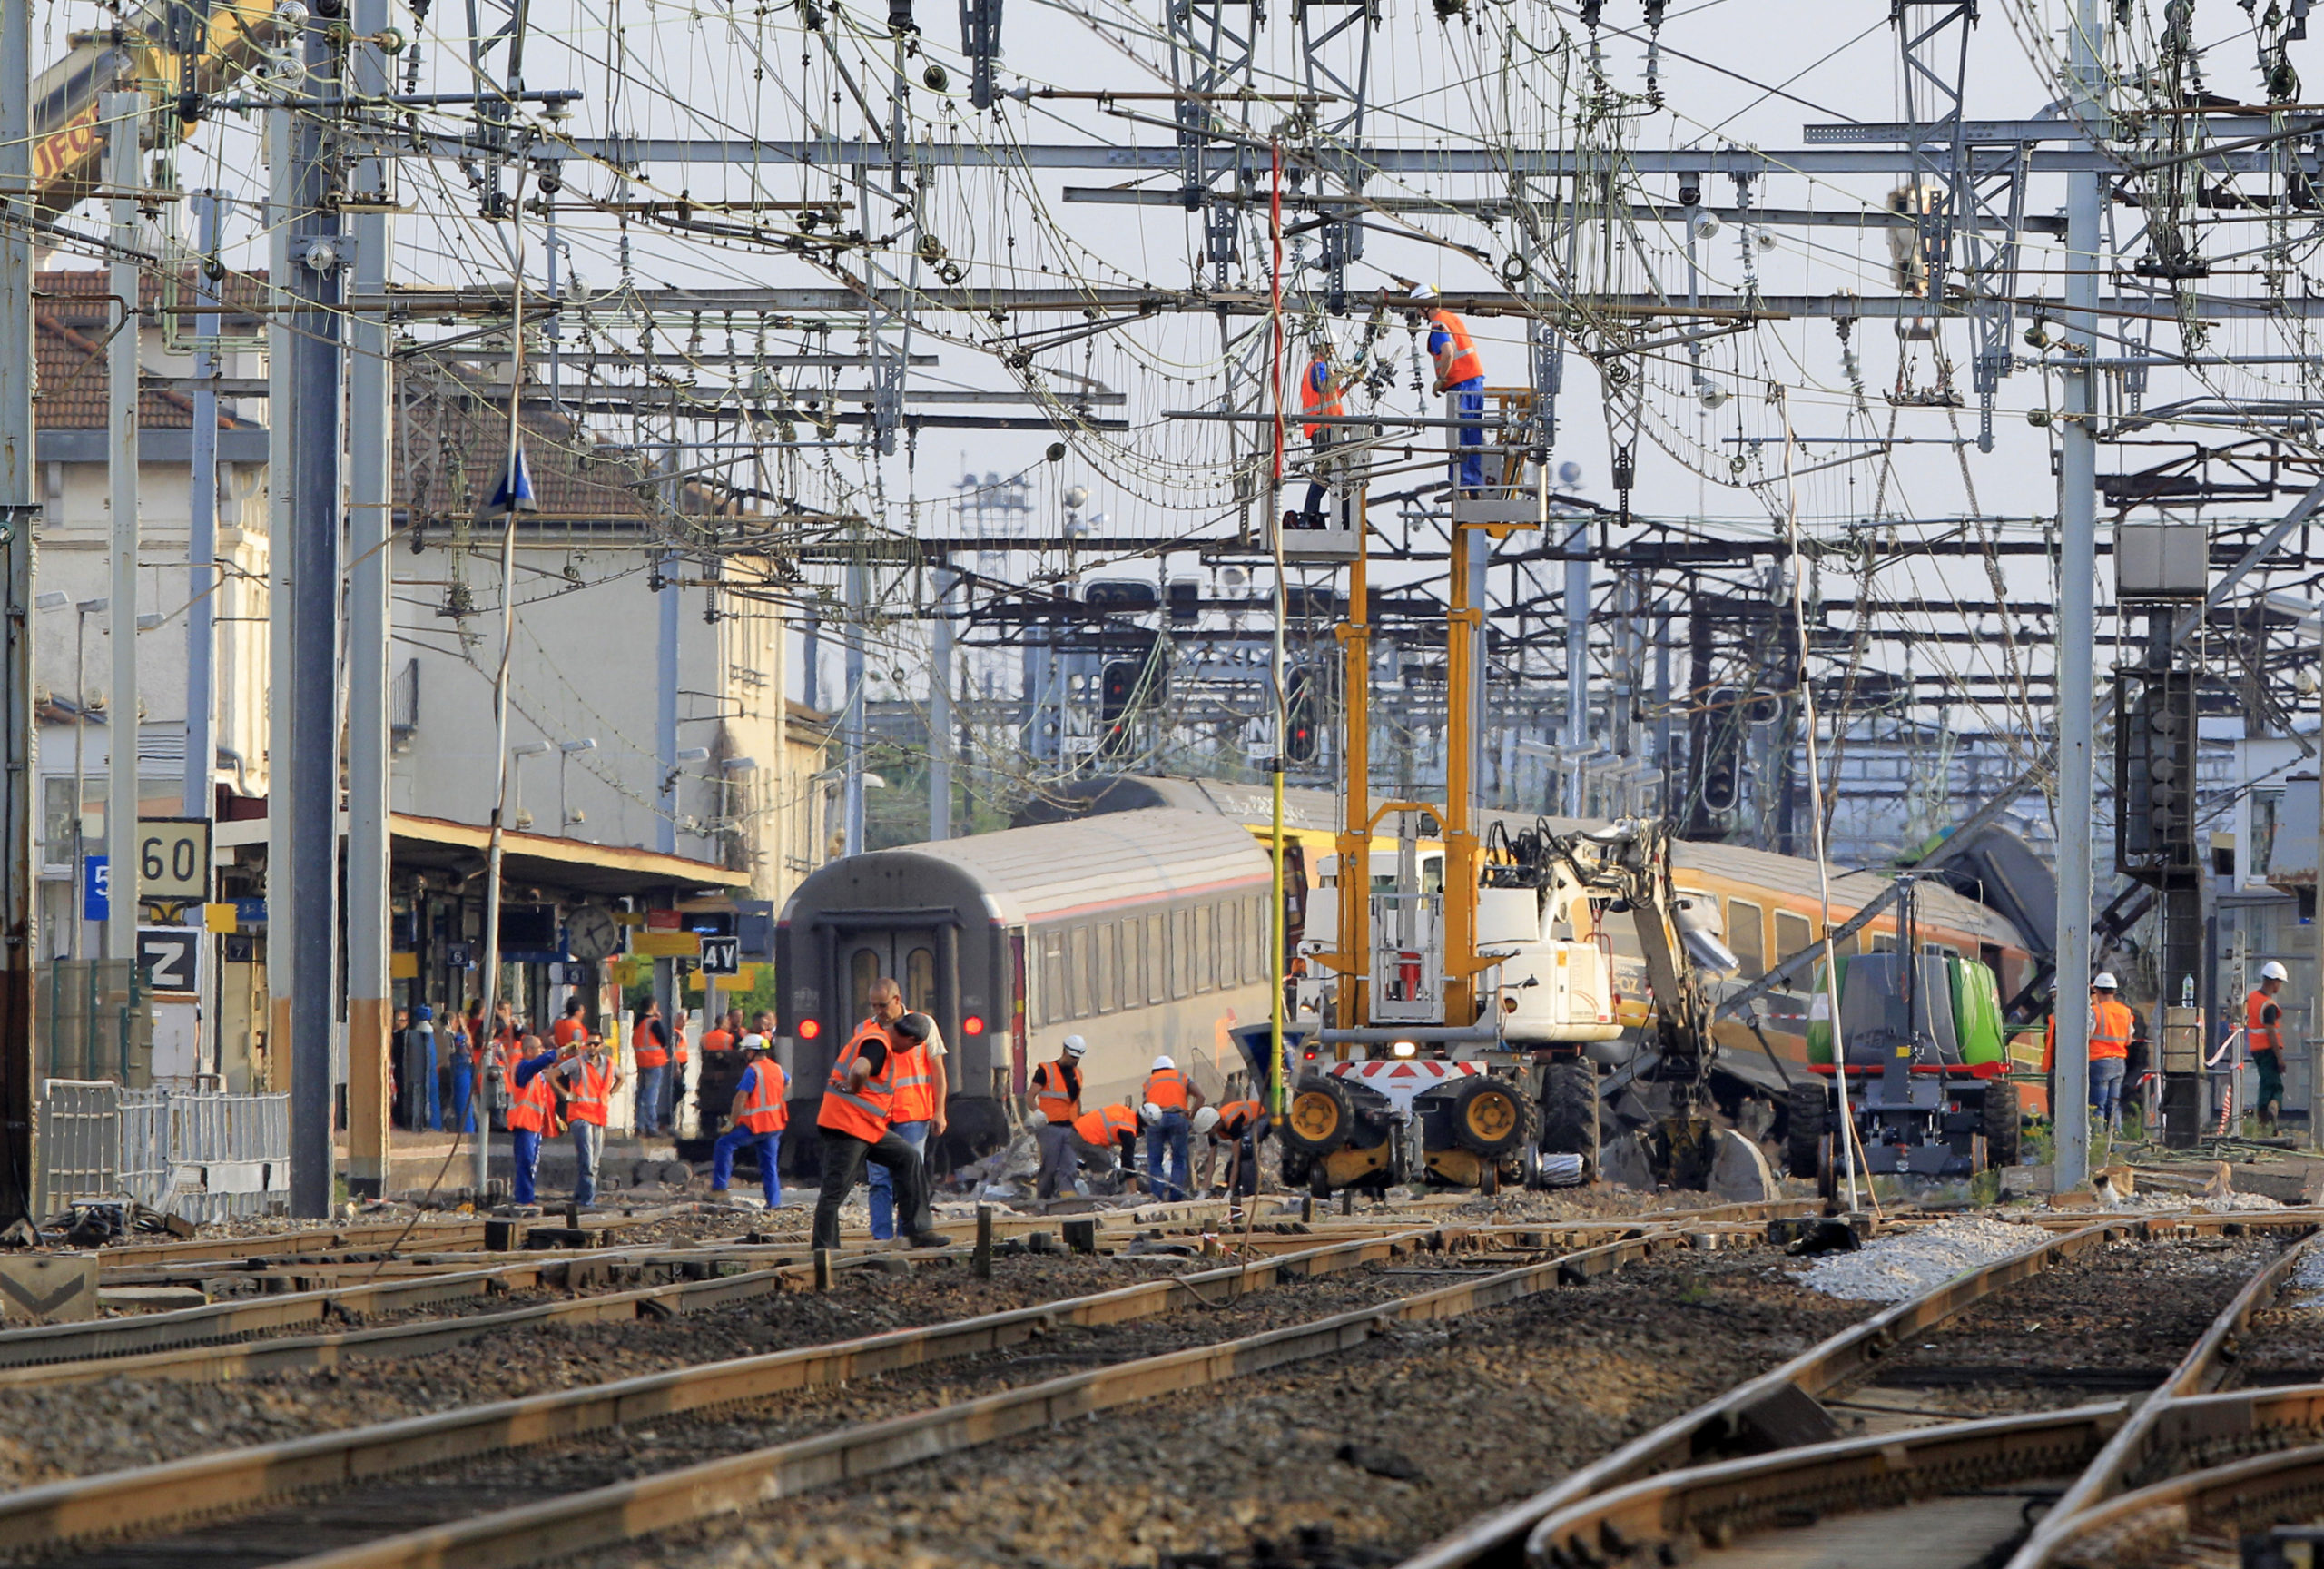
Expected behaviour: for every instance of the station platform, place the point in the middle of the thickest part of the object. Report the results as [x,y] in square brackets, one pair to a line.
[419,1162]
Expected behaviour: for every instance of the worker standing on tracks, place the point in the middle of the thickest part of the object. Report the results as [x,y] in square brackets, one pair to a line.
[1459,371]
[650,1048]
[1107,1139]
[1174,1100]
[859,1101]
[532,1113]
[2111,1027]
[2263,1034]
[1057,1103]
[591,1076]
[918,1113]
[759,1111]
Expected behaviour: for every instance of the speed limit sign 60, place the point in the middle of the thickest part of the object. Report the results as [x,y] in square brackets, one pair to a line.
[172,858]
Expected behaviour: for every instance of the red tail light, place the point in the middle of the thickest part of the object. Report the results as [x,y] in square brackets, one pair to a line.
[809,1029]
[972,1025]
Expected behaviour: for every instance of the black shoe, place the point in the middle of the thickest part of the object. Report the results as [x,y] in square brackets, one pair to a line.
[931,1239]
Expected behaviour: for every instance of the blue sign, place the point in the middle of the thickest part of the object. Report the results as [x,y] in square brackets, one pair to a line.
[250,912]
[95,883]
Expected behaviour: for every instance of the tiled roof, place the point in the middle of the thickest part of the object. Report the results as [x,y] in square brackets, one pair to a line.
[452,448]
[72,318]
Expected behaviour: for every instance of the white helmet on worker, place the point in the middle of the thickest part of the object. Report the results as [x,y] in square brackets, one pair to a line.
[1206,1119]
[1162,1063]
[1150,1112]
[1423,292]
[2273,971]
[2104,981]
[1075,1046]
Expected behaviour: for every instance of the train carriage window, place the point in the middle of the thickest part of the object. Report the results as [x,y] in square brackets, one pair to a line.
[1206,947]
[1794,935]
[1747,937]
[1230,943]
[919,981]
[863,968]
[1255,950]
[1158,958]
[1132,963]
[1109,997]
[1181,950]
[1076,973]
[1053,993]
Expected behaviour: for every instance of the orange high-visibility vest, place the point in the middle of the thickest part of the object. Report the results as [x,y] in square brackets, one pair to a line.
[1311,402]
[863,1114]
[1057,1089]
[719,1039]
[585,1101]
[2262,1023]
[765,1088]
[2111,1027]
[1458,361]
[650,1053]
[1105,1125]
[1166,1088]
[532,1106]
[915,1098]
[566,1031]
[1237,1117]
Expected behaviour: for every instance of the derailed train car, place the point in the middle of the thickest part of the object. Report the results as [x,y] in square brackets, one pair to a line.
[1144,931]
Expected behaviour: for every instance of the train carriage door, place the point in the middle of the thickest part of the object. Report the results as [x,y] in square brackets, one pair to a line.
[907,957]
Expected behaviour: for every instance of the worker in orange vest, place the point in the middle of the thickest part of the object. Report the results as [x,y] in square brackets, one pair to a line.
[1171,1101]
[2110,1029]
[2263,1034]
[532,1113]
[1322,386]
[1056,1103]
[649,1041]
[1107,1139]
[921,1092]
[1239,1126]
[570,1029]
[1459,371]
[859,1103]
[591,1076]
[760,1112]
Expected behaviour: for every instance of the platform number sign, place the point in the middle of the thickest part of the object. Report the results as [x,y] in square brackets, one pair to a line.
[170,957]
[721,955]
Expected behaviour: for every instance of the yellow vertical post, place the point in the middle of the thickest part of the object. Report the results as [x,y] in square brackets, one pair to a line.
[1461,623]
[1354,840]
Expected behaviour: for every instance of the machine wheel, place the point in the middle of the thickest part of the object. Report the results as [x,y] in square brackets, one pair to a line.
[1811,1120]
[1569,1112]
[2003,1118]
[1320,1119]
[1491,1117]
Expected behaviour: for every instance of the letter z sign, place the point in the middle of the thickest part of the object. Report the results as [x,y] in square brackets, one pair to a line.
[170,957]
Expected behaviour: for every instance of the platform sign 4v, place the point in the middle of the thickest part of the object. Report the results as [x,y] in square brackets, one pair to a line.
[721,955]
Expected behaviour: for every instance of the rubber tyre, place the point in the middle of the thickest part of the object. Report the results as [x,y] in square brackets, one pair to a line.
[1320,1119]
[1492,1116]
[1569,1112]
[1811,1110]
[2005,1118]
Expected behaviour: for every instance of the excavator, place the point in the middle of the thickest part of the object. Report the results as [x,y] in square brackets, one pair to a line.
[187,52]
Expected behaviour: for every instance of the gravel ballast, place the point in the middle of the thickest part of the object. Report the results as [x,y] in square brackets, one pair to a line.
[1903,1264]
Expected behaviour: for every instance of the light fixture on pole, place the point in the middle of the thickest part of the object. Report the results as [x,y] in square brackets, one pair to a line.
[530,749]
[566,816]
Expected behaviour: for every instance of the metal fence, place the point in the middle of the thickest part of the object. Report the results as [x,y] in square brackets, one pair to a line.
[99,1024]
[205,1155]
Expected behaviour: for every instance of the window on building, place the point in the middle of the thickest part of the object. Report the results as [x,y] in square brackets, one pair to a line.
[2267,809]
[1747,936]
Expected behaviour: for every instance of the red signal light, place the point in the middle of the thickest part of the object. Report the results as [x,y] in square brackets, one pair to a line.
[809,1029]
[972,1025]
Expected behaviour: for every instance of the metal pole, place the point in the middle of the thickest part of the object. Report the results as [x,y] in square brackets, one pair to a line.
[939,712]
[18,498]
[666,708]
[281,893]
[2077,624]
[120,111]
[202,539]
[851,723]
[369,635]
[1576,663]
[311,427]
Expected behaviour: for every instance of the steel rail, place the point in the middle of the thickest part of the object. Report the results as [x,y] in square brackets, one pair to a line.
[557,1527]
[2270,1489]
[1497,1541]
[2140,1438]
[140,1500]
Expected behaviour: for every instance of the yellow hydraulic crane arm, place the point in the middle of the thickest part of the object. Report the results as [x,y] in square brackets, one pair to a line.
[213,45]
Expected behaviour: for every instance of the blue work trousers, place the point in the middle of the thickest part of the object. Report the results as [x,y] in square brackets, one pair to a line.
[1172,1129]
[770,1147]
[525,1146]
[2105,1087]
[649,1097]
[1469,473]
[463,1117]
[884,1195]
[588,1144]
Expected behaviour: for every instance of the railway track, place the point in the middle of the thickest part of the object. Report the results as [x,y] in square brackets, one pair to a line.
[2020,1489]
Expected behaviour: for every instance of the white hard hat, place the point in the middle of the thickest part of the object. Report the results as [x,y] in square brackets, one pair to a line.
[1150,1112]
[754,1042]
[1206,1119]
[1037,1119]
[2104,983]
[1425,291]
[1075,1046]
[1163,1062]
[2272,970]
